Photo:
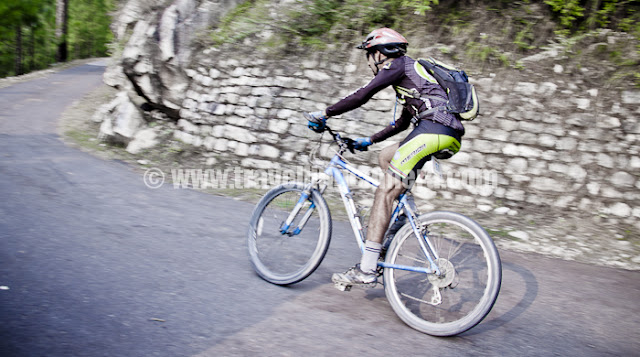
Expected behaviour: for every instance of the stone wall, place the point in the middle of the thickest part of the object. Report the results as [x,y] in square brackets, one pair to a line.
[556,143]
[552,139]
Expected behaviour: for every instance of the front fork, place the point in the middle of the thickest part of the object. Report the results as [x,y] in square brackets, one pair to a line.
[304,197]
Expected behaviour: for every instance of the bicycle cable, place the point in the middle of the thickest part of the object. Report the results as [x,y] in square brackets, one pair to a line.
[313,154]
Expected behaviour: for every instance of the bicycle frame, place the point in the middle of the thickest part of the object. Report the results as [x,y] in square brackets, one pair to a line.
[334,169]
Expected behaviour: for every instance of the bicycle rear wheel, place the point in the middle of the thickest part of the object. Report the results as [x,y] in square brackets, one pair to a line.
[468,287]
[281,257]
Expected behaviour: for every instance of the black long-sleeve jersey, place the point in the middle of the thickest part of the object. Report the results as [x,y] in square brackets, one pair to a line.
[417,91]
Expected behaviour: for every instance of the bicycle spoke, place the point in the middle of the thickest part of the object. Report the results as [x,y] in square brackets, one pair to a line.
[434,303]
[286,257]
[421,261]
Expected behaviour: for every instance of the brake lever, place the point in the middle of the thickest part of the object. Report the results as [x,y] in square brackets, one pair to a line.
[350,144]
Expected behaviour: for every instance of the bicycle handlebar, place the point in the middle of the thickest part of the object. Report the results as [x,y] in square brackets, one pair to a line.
[344,143]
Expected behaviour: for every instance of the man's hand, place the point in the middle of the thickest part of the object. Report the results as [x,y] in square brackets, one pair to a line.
[317,121]
[362,143]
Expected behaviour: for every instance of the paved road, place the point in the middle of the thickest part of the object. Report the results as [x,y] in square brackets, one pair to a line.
[97,264]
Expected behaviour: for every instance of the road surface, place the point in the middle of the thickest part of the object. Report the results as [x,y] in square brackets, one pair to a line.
[95,263]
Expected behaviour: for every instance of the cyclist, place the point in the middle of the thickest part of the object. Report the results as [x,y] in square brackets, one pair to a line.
[434,132]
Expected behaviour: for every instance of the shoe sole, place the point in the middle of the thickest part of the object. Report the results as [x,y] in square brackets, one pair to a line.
[342,286]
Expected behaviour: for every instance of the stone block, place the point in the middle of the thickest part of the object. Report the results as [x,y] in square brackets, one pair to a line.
[485,146]
[184,137]
[244,111]
[316,75]
[238,134]
[525,88]
[582,103]
[566,144]
[631,97]
[610,192]
[237,121]
[604,160]
[221,145]
[269,151]
[517,165]
[508,125]
[547,89]
[521,150]
[262,91]
[495,134]
[209,143]
[622,179]
[620,209]
[608,122]
[532,127]
[143,139]
[278,126]
[547,184]
[515,195]
[547,140]
[259,164]
[188,127]
[242,149]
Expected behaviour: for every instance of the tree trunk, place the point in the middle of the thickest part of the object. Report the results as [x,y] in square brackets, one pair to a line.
[62,21]
[592,21]
[18,64]
[32,50]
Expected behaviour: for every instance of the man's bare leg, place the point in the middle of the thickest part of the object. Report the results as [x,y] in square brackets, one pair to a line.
[386,154]
[390,188]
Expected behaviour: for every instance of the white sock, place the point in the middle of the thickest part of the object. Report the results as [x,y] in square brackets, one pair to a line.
[369,261]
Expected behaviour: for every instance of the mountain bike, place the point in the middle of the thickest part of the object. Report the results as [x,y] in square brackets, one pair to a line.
[441,271]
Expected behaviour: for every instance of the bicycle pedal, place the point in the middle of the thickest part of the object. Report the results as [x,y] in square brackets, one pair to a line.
[342,286]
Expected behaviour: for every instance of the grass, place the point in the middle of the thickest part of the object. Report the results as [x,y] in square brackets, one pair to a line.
[501,233]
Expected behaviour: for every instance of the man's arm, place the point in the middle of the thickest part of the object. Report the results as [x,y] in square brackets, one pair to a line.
[394,128]
[389,75]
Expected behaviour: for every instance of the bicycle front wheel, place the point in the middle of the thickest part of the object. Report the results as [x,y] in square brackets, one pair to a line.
[466,290]
[286,254]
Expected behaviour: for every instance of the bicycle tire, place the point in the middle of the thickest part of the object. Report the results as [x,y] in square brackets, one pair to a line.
[281,259]
[473,274]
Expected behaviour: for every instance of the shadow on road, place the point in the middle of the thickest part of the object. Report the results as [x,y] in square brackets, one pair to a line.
[514,275]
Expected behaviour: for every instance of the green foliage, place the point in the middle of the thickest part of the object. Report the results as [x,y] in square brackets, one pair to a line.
[482,53]
[525,37]
[420,7]
[580,15]
[27,32]
[311,23]
[89,32]
[568,11]
[321,21]
[22,25]
[241,22]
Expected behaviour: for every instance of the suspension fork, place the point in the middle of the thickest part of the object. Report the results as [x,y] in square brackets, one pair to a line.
[304,196]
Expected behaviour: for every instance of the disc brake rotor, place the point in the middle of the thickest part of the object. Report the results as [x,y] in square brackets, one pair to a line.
[448,274]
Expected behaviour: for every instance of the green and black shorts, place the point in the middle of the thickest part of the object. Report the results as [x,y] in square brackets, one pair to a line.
[427,138]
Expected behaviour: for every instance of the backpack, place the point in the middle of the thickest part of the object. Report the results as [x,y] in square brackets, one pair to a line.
[462,97]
